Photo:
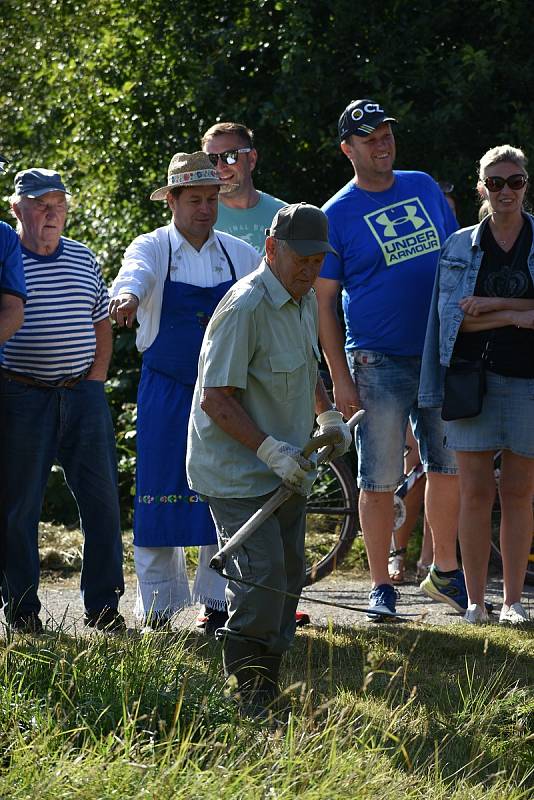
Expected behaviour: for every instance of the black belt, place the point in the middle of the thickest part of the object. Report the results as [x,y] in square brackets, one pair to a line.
[66,383]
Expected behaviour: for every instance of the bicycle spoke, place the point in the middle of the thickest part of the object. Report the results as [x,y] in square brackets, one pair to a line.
[331,519]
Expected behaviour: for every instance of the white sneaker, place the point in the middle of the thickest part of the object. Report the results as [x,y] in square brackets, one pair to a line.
[513,615]
[476,615]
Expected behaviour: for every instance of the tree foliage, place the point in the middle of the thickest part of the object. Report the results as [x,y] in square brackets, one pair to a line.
[107,90]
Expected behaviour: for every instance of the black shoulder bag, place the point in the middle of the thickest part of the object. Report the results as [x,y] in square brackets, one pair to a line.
[465,386]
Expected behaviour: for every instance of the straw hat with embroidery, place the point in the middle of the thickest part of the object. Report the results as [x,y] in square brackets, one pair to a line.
[190,169]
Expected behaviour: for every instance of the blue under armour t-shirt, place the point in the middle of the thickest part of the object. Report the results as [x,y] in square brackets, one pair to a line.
[388,244]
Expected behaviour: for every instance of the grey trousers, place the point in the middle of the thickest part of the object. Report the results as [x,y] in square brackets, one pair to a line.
[272,556]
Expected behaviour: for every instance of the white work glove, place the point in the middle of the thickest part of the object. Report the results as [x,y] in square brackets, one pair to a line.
[330,421]
[288,463]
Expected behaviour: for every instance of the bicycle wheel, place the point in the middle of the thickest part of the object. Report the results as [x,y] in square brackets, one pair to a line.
[496,548]
[331,519]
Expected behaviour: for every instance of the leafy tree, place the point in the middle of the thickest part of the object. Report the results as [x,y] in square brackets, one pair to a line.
[106,91]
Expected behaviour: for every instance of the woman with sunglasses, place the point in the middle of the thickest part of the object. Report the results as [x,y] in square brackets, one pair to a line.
[483,310]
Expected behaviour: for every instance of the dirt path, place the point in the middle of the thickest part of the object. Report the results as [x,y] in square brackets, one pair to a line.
[62,604]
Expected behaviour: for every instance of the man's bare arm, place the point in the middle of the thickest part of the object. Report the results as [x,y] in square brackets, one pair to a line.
[322,401]
[226,411]
[11,315]
[331,336]
[104,349]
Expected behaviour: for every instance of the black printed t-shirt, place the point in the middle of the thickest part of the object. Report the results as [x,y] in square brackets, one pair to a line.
[510,350]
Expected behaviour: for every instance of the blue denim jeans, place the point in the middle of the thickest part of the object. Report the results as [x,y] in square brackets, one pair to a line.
[73,427]
[388,387]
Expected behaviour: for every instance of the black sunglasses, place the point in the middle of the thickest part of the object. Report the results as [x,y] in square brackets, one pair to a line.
[229,156]
[496,183]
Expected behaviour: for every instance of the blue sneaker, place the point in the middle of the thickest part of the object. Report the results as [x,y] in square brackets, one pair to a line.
[382,598]
[446,590]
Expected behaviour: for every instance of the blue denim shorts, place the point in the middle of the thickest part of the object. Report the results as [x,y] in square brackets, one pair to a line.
[388,387]
[506,421]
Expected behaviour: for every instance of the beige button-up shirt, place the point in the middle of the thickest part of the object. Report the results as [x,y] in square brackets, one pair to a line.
[263,343]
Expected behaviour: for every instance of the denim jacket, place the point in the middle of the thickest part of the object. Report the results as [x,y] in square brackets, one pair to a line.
[456,277]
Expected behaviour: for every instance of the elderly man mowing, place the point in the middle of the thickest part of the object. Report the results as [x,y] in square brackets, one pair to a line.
[253,411]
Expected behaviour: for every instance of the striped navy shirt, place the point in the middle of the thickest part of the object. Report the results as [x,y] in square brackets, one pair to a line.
[66,297]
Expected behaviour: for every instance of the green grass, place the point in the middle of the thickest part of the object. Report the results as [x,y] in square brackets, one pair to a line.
[388,712]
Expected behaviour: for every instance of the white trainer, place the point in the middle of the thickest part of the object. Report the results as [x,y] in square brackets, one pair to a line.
[513,615]
[476,615]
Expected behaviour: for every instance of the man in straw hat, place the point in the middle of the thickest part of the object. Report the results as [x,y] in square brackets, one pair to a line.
[12,287]
[253,411]
[172,279]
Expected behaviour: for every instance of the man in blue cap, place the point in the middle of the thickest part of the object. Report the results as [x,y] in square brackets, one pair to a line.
[53,408]
[12,287]
[388,227]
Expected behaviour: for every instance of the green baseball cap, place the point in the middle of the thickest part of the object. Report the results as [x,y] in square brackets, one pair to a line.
[304,227]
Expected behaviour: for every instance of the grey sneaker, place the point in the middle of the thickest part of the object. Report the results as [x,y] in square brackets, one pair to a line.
[476,615]
[513,615]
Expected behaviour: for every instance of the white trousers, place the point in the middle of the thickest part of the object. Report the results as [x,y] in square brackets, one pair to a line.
[162,585]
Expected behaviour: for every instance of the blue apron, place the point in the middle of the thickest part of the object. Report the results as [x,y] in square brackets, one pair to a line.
[166,512]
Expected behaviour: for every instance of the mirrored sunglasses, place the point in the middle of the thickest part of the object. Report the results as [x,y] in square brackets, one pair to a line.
[496,183]
[228,156]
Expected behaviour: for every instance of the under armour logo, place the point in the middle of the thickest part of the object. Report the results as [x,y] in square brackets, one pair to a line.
[391,224]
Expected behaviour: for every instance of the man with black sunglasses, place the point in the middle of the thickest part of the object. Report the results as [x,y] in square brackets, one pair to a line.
[244,211]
